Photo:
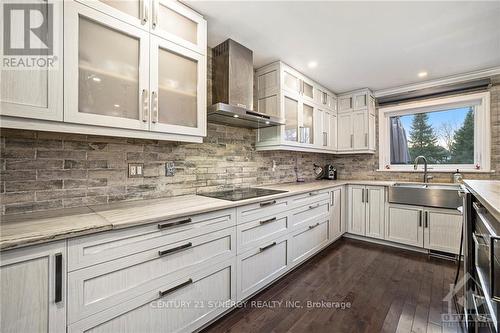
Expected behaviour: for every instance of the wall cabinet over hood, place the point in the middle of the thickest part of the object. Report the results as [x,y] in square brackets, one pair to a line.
[129,68]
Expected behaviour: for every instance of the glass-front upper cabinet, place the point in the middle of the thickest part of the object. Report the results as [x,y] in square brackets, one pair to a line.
[29,92]
[307,128]
[307,90]
[106,70]
[135,12]
[178,89]
[175,22]
[291,82]
[291,108]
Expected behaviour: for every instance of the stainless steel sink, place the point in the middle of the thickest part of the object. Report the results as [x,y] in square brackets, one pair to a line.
[429,195]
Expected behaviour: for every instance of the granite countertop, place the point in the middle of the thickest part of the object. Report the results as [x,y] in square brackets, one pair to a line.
[33,228]
[488,193]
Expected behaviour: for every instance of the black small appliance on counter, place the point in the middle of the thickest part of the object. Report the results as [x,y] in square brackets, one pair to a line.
[327,172]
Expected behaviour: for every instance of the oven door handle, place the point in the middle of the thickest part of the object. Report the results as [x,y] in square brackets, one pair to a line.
[494,279]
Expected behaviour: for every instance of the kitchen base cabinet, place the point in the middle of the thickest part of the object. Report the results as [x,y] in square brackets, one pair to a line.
[404,225]
[442,230]
[431,228]
[180,306]
[260,266]
[356,210]
[308,240]
[366,210]
[32,294]
[336,224]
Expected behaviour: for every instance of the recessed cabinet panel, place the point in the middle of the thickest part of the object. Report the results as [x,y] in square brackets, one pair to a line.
[404,225]
[307,130]
[291,82]
[135,12]
[35,93]
[307,90]
[128,7]
[345,139]
[360,130]
[291,117]
[175,22]
[177,89]
[106,64]
[345,103]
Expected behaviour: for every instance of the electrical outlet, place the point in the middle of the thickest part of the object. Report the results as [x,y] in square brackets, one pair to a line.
[169,169]
[135,170]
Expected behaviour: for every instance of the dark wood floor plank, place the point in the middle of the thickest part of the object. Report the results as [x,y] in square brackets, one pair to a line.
[389,290]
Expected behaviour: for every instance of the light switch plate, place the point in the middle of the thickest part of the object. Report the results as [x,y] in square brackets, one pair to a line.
[135,170]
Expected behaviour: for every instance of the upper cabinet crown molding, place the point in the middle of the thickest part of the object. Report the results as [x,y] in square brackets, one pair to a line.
[150,84]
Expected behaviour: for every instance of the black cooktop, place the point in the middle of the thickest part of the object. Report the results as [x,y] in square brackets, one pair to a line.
[241,194]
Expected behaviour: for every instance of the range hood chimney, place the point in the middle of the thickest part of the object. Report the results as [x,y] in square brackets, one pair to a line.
[232,90]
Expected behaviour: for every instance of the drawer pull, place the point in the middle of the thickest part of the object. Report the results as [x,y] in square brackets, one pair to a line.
[314,225]
[268,220]
[314,206]
[168,291]
[175,249]
[267,203]
[267,246]
[58,278]
[173,224]
[313,193]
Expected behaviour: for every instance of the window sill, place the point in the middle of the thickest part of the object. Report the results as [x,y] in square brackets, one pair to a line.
[436,171]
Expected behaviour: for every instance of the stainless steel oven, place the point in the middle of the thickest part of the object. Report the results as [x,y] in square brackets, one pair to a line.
[486,249]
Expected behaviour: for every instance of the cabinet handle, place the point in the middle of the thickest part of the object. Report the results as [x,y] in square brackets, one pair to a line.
[325,139]
[267,247]
[363,195]
[268,220]
[173,224]
[366,193]
[426,219]
[314,225]
[154,97]
[314,206]
[155,13]
[175,249]
[366,139]
[332,198]
[58,278]
[352,140]
[168,291]
[145,105]
[145,12]
[267,203]
[313,193]
[420,218]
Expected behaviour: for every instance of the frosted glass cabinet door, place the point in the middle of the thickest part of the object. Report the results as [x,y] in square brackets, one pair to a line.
[178,89]
[107,70]
[136,12]
[291,107]
[35,93]
[307,129]
[175,22]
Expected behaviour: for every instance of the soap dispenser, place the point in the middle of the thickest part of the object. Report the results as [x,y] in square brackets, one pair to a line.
[457,177]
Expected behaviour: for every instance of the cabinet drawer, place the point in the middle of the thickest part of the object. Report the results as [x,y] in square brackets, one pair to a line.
[309,214]
[261,209]
[308,240]
[260,266]
[94,249]
[251,234]
[99,287]
[182,305]
[309,198]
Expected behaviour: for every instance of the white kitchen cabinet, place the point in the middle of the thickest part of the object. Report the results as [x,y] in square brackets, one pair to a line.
[366,210]
[345,135]
[259,266]
[107,86]
[178,89]
[307,240]
[173,21]
[33,289]
[356,210]
[183,305]
[336,224]
[430,228]
[375,211]
[36,93]
[284,92]
[345,103]
[134,12]
[405,225]
[442,230]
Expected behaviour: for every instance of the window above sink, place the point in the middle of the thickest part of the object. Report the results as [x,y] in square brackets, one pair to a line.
[452,133]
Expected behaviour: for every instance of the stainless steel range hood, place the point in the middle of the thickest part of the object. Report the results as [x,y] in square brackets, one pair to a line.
[232,90]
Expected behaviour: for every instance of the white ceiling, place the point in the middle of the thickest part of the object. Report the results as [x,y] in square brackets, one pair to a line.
[362,44]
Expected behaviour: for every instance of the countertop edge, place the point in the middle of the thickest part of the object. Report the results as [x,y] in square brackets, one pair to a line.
[484,201]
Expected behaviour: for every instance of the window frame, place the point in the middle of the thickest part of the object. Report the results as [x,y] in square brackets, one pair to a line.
[482,128]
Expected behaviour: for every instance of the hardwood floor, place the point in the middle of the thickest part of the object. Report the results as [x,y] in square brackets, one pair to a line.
[388,289]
